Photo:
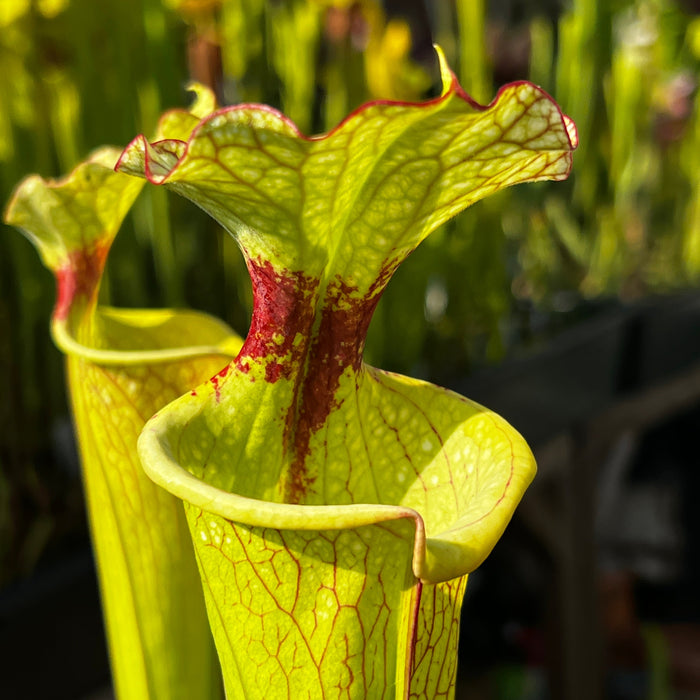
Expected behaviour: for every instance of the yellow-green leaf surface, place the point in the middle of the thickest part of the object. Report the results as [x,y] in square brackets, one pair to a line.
[123,365]
[336,509]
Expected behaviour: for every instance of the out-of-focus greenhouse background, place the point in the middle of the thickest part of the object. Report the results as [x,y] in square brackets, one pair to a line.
[570,307]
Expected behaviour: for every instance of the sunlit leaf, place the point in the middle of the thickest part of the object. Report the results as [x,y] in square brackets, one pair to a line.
[336,509]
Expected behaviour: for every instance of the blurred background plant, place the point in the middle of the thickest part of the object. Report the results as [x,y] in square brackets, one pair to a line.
[75,74]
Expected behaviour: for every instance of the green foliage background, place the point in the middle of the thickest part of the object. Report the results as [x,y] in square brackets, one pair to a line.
[76,74]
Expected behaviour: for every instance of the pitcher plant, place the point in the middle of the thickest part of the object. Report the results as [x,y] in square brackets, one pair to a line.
[122,366]
[336,509]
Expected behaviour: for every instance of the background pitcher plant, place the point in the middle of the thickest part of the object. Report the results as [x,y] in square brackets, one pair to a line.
[124,364]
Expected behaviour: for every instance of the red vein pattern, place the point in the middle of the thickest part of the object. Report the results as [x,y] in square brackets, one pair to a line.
[301,607]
